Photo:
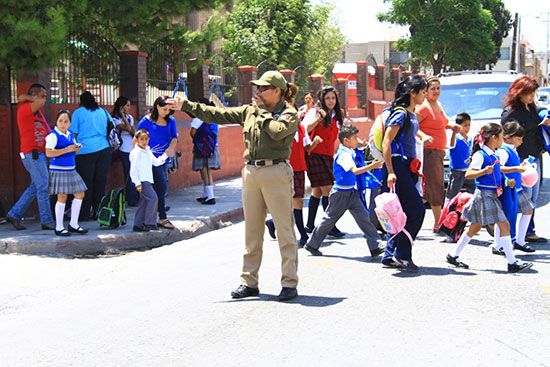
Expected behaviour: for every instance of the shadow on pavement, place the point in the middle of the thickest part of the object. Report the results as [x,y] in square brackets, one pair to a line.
[304,300]
[433,271]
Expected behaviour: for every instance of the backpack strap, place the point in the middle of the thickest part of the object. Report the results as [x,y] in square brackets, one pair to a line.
[403,130]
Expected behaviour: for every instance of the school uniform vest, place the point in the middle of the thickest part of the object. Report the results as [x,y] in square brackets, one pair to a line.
[489,181]
[298,153]
[328,134]
[513,161]
[64,162]
[459,154]
[343,181]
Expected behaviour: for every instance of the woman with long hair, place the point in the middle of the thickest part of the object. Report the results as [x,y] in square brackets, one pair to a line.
[309,100]
[324,122]
[519,105]
[269,127]
[89,126]
[125,123]
[402,128]
[163,137]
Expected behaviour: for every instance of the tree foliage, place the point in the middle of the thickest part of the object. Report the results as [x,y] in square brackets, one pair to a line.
[35,31]
[449,34]
[283,34]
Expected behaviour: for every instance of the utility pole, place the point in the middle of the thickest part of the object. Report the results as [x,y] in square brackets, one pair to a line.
[514,42]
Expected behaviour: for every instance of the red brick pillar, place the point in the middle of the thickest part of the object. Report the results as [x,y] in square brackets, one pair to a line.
[395,77]
[133,79]
[289,75]
[197,75]
[315,83]
[380,77]
[342,89]
[363,85]
[7,192]
[246,91]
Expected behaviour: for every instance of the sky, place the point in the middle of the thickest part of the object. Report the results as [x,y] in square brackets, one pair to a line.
[358,21]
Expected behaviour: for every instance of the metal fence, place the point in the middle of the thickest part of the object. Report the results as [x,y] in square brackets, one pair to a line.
[164,65]
[89,62]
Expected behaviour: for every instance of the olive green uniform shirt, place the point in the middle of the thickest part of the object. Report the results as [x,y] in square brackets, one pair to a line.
[266,134]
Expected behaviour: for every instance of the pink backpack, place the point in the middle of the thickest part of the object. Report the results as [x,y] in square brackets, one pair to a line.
[390,214]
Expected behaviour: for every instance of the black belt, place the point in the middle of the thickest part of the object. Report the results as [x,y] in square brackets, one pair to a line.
[267,162]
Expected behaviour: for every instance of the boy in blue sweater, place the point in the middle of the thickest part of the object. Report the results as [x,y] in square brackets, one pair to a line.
[461,146]
[344,195]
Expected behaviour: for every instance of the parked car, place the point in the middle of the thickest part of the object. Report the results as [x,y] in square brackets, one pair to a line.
[543,99]
[479,93]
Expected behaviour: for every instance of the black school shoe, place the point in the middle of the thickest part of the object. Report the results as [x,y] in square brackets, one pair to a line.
[454,260]
[392,264]
[287,294]
[209,202]
[313,251]
[78,230]
[201,199]
[62,233]
[408,266]
[335,232]
[270,228]
[524,248]
[498,251]
[535,238]
[518,266]
[140,229]
[377,252]
[243,291]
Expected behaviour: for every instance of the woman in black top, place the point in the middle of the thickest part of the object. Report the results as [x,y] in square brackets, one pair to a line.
[519,105]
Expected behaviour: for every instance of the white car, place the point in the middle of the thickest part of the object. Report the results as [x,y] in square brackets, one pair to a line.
[478,93]
[543,99]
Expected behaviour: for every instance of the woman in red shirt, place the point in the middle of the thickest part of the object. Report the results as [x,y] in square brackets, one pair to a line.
[323,122]
[434,122]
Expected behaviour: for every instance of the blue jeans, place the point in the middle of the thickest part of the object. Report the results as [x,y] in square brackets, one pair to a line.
[161,186]
[533,194]
[132,195]
[38,169]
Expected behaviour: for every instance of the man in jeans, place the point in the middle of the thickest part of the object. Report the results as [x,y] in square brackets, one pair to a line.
[33,131]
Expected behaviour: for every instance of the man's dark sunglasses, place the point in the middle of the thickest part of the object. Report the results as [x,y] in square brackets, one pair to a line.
[263,88]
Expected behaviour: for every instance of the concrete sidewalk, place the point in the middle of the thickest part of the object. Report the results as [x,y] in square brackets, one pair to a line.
[189,216]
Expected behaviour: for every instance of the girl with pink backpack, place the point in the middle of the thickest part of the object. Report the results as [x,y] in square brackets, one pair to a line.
[399,151]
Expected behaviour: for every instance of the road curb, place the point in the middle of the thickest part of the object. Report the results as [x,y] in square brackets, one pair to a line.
[116,242]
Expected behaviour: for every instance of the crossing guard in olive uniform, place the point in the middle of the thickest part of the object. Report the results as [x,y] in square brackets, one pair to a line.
[267,176]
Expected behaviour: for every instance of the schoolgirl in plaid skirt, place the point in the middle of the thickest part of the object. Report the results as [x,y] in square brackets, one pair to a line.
[517,201]
[484,207]
[61,147]
[323,121]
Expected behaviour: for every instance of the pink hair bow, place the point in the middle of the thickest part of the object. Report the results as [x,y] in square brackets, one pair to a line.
[480,139]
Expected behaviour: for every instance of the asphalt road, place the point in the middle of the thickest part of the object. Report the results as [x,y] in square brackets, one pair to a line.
[171,307]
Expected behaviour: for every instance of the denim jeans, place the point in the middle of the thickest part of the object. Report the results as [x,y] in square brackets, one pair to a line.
[38,169]
[161,187]
[533,194]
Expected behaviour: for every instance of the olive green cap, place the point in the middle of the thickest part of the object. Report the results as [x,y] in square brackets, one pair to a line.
[273,78]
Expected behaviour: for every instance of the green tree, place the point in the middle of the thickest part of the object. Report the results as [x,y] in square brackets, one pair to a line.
[284,33]
[449,34]
[35,31]
[503,20]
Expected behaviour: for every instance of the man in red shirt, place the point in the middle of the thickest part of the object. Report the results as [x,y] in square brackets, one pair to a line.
[33,131]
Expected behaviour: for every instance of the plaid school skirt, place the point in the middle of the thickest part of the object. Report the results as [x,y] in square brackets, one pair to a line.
[524,202]
[484,208]
[299,183]
[212,162]
[66,182]
[319,169]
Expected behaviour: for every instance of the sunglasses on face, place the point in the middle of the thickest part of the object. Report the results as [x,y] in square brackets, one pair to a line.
[263,88]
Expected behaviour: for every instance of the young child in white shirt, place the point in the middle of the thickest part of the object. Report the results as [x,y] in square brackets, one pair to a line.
[142,161]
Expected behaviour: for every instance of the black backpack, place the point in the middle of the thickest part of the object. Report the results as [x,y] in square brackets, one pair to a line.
[112,212]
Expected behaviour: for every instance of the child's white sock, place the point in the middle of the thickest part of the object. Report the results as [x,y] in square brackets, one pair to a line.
[523,224]
[75,212]
[59,213]
[462,242]
[506,243]
[204,193]
[498,244]
[209,192]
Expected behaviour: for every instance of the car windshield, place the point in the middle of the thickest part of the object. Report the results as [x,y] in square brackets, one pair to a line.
[482,101]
